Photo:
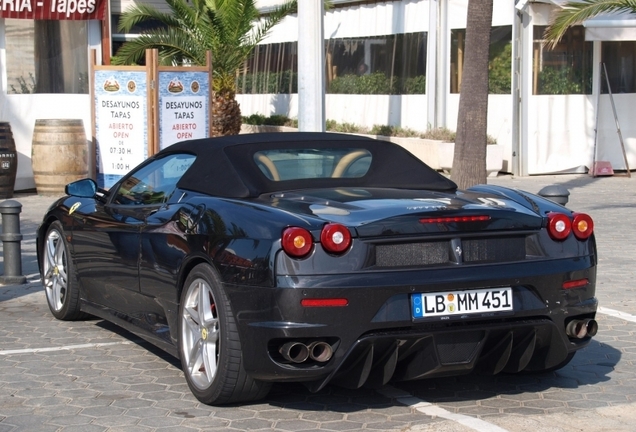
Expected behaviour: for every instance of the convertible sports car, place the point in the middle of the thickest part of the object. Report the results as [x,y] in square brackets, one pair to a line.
[321,258]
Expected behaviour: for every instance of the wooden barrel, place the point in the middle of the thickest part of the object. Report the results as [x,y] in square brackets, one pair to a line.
[59,154]
[8,161]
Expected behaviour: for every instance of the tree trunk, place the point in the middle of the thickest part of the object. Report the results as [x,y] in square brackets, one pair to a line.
[469,161]
[226,114]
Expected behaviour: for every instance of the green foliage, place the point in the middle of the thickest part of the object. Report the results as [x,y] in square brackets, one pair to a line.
[374,83]
[265,83]
[377,83]
[560,81]
[25,87]
[414,85]
[255,119]
[286,82]
[441,134]
[500,69]
[573,13]
[261,120]
[334,126]
[386,130]
[229,29]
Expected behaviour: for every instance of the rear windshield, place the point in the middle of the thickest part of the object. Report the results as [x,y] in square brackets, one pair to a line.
[296,164]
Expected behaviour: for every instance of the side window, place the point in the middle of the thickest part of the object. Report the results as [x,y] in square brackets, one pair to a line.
[153,183]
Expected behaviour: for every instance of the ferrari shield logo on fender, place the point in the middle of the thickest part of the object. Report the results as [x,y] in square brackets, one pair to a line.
[74,207]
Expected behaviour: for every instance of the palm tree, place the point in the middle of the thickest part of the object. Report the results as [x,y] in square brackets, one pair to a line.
[469,159]
[229,29]
[575,12]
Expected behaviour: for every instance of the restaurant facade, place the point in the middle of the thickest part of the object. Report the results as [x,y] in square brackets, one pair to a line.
[549,109]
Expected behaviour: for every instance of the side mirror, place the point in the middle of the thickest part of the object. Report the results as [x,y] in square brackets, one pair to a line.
[85,188]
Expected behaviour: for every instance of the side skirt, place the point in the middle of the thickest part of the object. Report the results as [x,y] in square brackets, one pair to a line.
[133,325]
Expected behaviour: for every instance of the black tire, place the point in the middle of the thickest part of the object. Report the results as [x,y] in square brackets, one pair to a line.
[209,345]
[58,276]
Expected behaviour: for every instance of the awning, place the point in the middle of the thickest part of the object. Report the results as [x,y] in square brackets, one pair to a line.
[607,27]
[611,27]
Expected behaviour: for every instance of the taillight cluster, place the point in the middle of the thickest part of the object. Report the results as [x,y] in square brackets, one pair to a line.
[560,226]
[298,242]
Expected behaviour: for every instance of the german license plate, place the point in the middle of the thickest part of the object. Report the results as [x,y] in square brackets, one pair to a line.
[445,304]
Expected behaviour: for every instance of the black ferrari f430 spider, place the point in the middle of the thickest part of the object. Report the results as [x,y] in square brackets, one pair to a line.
[320,258]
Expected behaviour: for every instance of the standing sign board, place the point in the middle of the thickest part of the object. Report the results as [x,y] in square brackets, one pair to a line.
[139,110]
[121,119]
[183,106]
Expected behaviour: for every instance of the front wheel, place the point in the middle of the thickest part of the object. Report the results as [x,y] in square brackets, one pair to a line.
[209,345]
[58,276]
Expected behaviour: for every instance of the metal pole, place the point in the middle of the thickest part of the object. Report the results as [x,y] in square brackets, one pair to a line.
[11,239]
[618,126]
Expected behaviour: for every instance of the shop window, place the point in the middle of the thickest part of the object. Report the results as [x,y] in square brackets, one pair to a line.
[565,69]
[499,64]
[390,64]
[46,56]
[271,68]
[620,61]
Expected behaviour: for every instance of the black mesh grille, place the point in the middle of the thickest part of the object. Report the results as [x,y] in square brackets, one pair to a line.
[494,249]
[458,347]
[411,254]
[474,250]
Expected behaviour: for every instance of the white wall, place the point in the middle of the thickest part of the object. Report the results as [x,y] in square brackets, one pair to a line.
[608,143]
[22,110]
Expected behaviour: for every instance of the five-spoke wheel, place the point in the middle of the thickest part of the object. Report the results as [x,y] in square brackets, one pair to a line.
[62,293]
[209,346]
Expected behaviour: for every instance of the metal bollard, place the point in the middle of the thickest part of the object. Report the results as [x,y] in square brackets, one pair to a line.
[556,193]
[11,239]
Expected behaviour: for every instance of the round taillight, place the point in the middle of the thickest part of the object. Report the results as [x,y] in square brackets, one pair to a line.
[582,226]
[335,238]
[297,242]
[559,226]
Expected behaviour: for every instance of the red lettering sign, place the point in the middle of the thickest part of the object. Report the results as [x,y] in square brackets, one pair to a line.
[53,9]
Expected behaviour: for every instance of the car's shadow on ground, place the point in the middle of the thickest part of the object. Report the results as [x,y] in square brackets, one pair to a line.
[590,366]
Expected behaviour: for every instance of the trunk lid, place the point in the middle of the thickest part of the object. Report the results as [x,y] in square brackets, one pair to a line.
[391,212]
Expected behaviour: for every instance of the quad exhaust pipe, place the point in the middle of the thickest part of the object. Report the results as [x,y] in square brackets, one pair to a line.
[295,352]
[581,328]
[298,352]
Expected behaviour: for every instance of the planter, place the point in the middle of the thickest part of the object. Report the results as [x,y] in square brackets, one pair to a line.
[436,154]
[494,158]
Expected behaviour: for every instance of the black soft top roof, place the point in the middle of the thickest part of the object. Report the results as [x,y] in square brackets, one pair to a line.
[225,166]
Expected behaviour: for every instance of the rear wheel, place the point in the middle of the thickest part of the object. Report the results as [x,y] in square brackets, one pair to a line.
[58,276]
[209,345]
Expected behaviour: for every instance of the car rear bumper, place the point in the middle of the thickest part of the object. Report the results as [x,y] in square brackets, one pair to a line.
[375,338]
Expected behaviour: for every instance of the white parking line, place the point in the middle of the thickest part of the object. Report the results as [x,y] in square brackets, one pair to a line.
[617,314]
[429,409]
[62,348]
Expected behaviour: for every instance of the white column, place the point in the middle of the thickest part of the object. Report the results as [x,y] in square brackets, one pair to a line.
[3,60]
[311,66]
[431,64]
[517,40]
[525,88]
[437,60]
[443,60]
